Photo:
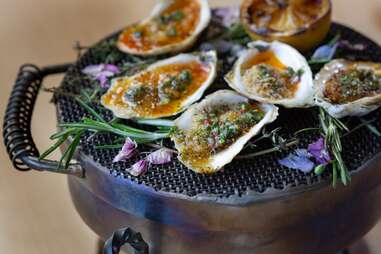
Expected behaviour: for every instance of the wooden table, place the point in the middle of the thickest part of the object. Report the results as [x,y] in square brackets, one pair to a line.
[36,213]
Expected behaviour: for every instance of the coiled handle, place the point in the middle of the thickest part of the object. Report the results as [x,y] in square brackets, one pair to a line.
[17,122]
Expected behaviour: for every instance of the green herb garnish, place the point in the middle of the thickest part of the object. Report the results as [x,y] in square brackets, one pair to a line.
[172,31]
[97,126]
[332,129]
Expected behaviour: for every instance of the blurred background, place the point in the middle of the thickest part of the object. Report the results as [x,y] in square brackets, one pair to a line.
[36,213]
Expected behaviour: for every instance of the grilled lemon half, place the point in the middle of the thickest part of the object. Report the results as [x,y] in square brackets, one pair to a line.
[300,23]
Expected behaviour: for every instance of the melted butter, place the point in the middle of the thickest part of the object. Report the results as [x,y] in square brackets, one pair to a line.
[265,57]
[148,107]
[154,35]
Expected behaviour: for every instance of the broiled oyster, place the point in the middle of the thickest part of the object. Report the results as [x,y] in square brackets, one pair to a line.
[347,88]
[273,73]
[164,89]
[173,26]
[211,133]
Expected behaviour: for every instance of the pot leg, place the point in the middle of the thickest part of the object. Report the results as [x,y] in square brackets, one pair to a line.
[100,244]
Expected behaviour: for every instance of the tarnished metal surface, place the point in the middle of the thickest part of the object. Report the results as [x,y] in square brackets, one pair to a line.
[319,220]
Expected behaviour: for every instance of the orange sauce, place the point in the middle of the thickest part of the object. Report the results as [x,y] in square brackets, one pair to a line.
[265,57]
[149,107]
[154,34]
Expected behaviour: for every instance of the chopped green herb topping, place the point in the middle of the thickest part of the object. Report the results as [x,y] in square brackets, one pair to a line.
[172,31]
[353,84]
[173,17]
[135,94]
[138,34]
[172,87]
[216,128]
[271,82]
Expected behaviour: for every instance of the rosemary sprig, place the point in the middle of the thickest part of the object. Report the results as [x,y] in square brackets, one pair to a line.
[279,143]
[332,129]
[236,33]
[97,125]
[370,126]
[364,123]
[68,154]
[287,144]
[114,146]
[89,109]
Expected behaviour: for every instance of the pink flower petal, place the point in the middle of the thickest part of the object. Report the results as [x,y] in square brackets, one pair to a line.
[101,72]
[138,168]
[160,157]
[93,70]
[127,152]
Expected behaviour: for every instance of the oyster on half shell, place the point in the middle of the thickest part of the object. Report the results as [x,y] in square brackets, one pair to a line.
[164,88]
[273,73]
[347,88]
[211,133]
[173,26]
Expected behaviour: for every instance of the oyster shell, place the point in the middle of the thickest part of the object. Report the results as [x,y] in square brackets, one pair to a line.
[347,88]
[172,27]
[163,89]
[204,136]
[273,73]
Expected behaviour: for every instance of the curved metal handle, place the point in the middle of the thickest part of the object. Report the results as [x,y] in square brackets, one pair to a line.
[17,121]
[122,237]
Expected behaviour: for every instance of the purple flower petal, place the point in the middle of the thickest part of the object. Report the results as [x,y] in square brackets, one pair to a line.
[93,70]
[319,152]
[161,156]
[207,46]
[302,153]
[127,152]
[138,168]
[111,68]
[237,50]
[325,52]
[299,161]
[316,147]
[103,81]
[223,46]
[101,72]
[350,46]
[228,15]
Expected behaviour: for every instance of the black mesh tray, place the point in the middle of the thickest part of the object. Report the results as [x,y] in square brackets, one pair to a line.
[240,176]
